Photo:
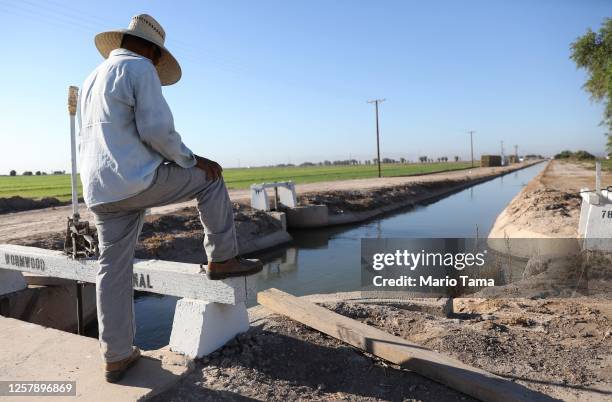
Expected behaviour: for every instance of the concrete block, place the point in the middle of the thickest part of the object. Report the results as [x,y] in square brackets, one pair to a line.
[259,198]
[200,327]
[286,195]
[281,217]
[285,191]
[307,216]
[595,225]
[11,281]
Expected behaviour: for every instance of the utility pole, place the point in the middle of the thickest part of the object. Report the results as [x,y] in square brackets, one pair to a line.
[516,153]
[472,146]
[376,102]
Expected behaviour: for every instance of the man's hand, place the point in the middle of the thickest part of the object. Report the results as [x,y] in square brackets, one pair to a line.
[213,169]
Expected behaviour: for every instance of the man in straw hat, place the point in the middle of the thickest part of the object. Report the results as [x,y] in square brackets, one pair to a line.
[132,159]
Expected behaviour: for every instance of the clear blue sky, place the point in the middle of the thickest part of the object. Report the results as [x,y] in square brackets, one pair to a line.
[276,81]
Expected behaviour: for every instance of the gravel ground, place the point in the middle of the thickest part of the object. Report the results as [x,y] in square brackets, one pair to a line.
[560,347]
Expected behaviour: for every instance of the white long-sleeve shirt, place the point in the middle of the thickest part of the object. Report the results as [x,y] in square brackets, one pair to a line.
[126,129]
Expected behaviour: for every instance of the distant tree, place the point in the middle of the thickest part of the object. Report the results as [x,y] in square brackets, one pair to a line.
[562,155]
[593,52]
[13,173]
[583,155]
[38,173]
[580,155]
[457,158]
[27,173]
[402,160]
[342,162]
[422,159]
[307,164]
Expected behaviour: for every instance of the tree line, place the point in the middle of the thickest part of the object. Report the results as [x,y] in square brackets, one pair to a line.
[37,173]
[374,161]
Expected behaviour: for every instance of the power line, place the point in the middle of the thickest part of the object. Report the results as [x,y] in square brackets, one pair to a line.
[376,102]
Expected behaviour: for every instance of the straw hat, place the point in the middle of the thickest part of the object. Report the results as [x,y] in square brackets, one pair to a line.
[144,26]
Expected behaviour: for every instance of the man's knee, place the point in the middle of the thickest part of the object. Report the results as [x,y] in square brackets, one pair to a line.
[207,185]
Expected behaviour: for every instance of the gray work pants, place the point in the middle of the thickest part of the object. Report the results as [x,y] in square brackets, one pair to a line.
[119,224]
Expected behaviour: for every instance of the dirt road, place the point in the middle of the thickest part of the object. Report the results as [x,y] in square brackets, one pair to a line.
[549,206]
[19,225]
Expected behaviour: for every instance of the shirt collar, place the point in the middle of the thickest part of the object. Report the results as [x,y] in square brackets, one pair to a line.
[124,52]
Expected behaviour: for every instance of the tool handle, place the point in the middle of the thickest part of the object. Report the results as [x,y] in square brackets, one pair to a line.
[73,94]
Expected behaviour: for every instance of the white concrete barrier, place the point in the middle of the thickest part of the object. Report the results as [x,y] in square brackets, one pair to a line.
[595,225]
[211,313]
[202,327]
[285,191]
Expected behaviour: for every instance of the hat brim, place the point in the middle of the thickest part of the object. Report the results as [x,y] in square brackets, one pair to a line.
[168,68]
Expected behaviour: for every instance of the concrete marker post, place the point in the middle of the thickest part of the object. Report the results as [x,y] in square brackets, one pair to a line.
[595,225]
[201,327]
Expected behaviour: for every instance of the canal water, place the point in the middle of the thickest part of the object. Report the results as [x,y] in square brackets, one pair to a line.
[328,260]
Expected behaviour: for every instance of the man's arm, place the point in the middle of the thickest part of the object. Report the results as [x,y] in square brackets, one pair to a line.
[155,123]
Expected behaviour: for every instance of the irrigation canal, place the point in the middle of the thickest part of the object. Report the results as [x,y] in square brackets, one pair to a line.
[328,260]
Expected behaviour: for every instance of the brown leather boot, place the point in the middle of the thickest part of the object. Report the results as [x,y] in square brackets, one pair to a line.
[114,371]
[233,267]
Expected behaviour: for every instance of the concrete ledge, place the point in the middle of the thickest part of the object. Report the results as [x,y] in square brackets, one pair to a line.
[259,243]
[31,352]
[156,276]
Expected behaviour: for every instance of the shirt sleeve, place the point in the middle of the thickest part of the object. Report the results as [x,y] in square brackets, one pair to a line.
[154,120]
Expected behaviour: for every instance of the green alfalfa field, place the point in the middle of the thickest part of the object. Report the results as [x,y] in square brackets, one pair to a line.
[58,186]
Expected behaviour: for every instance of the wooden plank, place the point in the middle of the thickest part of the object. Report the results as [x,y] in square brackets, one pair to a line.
[156,276]
[445,370]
